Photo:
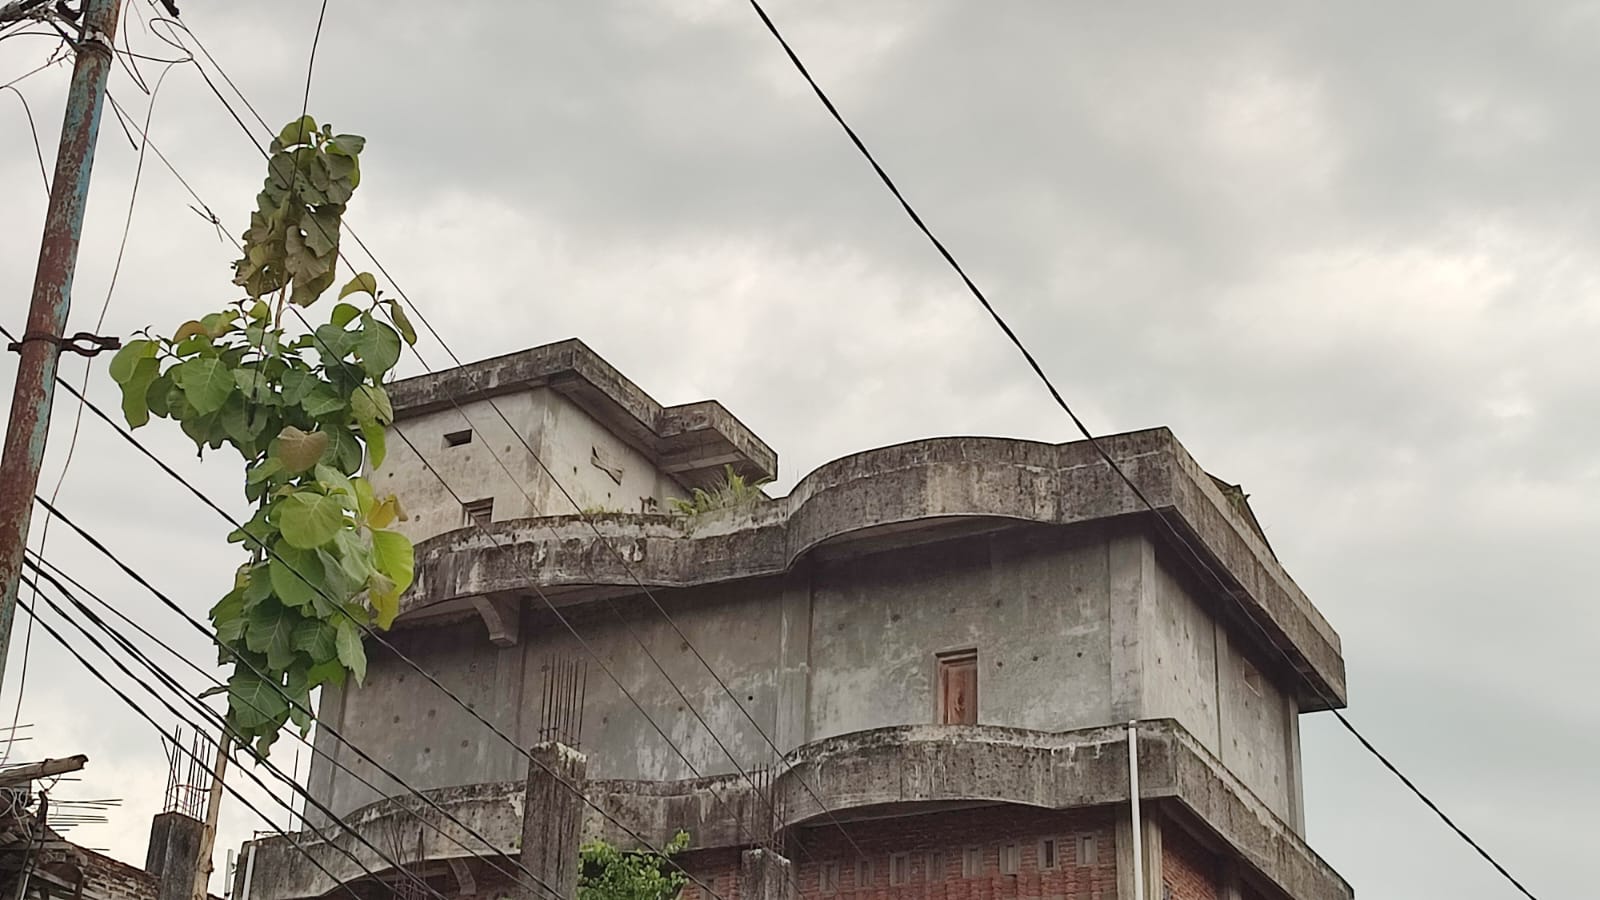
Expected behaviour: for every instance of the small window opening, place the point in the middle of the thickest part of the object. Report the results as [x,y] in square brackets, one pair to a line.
[1088,851]
[1010,859]
[935,867]
[863,873]
[479,512]
[900,868]
[958,688]
[972,862]
[829,878]
[1251,676]
[457,438]
[1047,853]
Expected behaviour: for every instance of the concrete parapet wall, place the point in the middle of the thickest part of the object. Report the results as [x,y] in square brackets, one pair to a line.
[882,773]
[891,488]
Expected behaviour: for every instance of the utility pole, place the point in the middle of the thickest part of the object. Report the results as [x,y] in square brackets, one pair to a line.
[208,834]
[42,342]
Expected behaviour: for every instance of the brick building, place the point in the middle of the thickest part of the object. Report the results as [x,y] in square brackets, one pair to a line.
[935,663]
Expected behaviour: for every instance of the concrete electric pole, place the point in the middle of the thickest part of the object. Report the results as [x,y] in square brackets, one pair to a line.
[41,343]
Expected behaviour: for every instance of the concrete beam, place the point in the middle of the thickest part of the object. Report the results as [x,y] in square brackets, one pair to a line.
[502,615]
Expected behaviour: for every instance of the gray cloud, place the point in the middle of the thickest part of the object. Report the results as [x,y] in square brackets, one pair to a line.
[1346,252]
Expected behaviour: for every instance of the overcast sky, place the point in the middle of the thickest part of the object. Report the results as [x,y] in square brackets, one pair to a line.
[1345,251]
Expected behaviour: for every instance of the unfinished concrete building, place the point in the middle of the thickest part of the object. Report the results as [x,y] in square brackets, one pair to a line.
[926,669]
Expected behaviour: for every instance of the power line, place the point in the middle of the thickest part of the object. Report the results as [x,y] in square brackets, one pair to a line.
[140,711]
[1055,394]
[143,582]
[39,561]
[610,545]
[766,801]
[211,715]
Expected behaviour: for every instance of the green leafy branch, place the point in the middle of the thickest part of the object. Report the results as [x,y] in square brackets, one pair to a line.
[305,411]
[606,873]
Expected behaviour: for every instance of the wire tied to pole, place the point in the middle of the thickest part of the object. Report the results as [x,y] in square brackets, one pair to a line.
[83,343]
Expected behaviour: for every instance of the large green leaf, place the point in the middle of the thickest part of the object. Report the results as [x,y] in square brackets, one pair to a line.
[253,703]
[322,402]
[317,639]
[377,345]
[344,453]
[330,672]
[228,618]
[269,629]
[370,405]
[136,391]
[363,283]
[351,653]
[207,383]
[300,131]
[123,364]
[297,385]
[377,444]
[297,575]
[308,520]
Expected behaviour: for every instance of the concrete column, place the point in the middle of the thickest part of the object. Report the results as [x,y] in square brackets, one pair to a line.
[764,875]
[322,779]
[794,663]
[1151,850]
[1131,572]
[174,854]
[552,819]
[1291,750]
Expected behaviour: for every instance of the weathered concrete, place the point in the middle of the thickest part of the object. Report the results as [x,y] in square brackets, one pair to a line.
[911,484]
[552,821]
[764,875]
[690,443]
[173,854]
[884,772]
[1074,626]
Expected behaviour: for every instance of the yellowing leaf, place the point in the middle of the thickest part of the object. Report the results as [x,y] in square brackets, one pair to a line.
[299,450]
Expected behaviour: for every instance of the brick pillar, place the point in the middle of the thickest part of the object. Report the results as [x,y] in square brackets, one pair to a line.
[764,875]
[552,819]
[174,854]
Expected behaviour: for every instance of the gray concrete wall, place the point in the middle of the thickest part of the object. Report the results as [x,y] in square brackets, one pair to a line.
[1195,673]
[735,627]
[1036,610]
[1073,628]
[1180,660]
[570,439]
[416,731]
[565,438]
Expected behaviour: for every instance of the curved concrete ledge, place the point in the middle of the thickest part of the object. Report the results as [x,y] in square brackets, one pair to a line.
[890,769]
[923,481]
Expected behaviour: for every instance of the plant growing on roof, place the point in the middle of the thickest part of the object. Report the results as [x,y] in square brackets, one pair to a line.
[734,491]
[304,408]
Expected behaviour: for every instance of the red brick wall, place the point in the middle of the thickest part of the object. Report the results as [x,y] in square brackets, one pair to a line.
[1188,871]
[989,829]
